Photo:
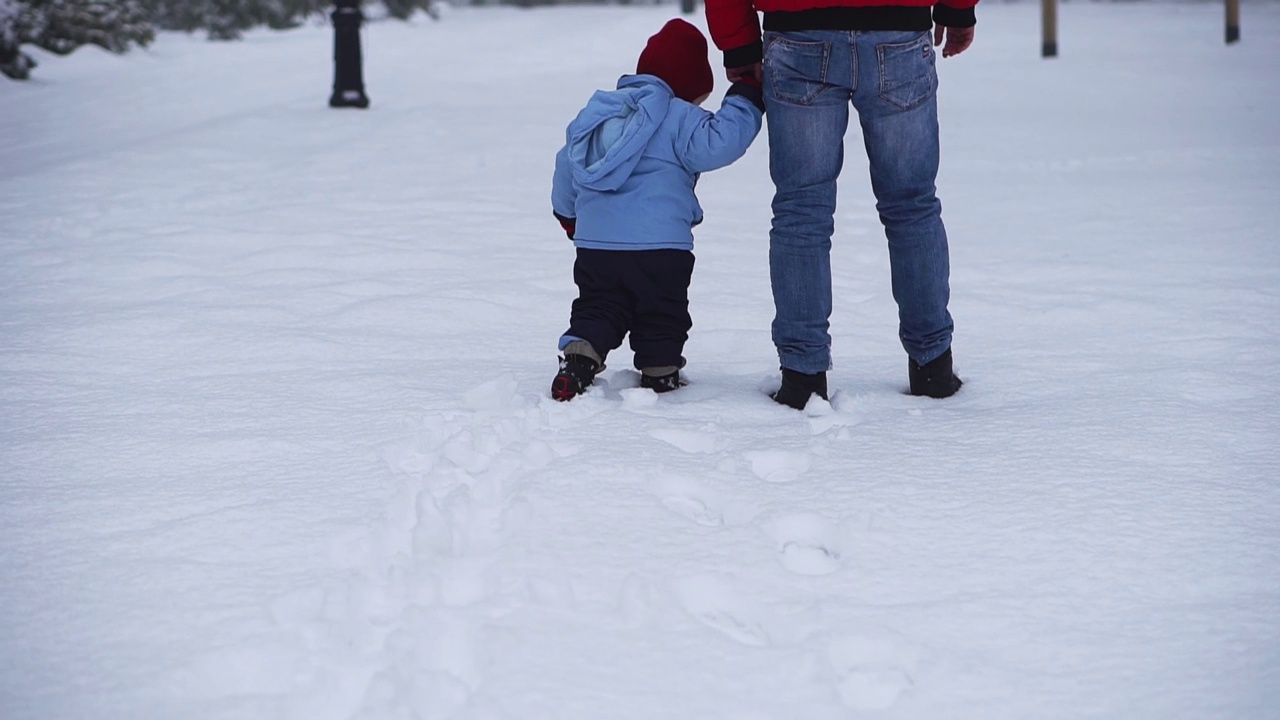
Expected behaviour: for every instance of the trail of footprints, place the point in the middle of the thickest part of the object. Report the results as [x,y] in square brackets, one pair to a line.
[867,672]
[415,621]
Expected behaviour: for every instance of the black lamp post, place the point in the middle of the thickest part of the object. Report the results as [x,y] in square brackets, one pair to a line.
[348,72]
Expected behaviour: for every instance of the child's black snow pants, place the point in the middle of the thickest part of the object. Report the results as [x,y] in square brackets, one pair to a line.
[643,292]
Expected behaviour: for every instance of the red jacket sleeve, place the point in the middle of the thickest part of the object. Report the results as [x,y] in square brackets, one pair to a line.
[735,29]
[735,24]
[955,13]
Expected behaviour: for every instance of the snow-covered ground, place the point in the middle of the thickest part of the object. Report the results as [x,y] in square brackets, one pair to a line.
[275,439]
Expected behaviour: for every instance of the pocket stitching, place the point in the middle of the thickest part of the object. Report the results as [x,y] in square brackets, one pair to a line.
[818,82]
[905,47]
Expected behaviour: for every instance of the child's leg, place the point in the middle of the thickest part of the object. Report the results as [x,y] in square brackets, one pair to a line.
[660,283]
[600,317]
[603,310]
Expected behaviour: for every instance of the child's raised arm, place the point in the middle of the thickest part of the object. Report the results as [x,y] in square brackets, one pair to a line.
[714,140]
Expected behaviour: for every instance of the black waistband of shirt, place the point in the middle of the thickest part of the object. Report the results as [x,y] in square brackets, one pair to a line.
[882,17]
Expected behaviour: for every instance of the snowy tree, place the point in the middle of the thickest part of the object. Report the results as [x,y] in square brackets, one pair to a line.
[13,62]
[177,14]
[224,19]
[61,26]
[402,9]
[227,19]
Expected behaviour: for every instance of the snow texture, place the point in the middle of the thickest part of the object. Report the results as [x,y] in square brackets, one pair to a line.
[277,440]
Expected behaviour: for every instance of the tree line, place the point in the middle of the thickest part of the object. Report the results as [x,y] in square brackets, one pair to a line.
[61,26]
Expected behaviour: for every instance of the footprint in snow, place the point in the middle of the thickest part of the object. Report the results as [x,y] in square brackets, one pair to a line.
[778,466]
[689,441]
[636,601]
[716,604]
[808,544]
[693,508]
[703,505]
[871,672]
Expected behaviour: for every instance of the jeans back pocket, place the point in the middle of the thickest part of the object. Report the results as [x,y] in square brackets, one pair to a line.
[907,73]
[796,71]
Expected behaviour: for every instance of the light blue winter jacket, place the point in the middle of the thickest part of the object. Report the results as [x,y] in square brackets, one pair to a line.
[631,160]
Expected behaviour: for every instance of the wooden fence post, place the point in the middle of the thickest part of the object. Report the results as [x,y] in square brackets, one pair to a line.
[1233,21]
[1049,28]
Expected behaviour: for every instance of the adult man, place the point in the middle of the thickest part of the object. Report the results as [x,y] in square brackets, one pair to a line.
[819,56]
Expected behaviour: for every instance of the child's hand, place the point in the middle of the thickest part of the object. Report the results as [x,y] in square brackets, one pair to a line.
[568,224]
[746,73]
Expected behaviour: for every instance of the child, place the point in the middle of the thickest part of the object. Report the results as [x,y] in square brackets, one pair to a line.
[624,192]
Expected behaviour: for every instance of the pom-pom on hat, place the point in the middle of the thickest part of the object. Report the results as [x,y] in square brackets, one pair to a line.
[678,55]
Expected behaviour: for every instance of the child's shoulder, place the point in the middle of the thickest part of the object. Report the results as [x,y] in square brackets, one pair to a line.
[685,110]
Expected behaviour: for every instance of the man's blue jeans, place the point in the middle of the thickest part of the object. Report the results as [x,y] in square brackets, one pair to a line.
[811,79]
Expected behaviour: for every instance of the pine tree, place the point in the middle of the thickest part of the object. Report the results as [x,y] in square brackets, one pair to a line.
[61,26]
[228,19]
[184,15]
[402,9]
[68,24]
[13,62]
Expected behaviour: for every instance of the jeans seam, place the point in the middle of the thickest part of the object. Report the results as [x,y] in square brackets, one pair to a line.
[853,64]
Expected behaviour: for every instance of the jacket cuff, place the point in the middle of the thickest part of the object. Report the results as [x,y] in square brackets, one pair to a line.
[954,17]
[749,91]
[745,55]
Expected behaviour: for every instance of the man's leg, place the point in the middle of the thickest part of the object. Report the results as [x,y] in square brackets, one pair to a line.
[807,88]
[897,108]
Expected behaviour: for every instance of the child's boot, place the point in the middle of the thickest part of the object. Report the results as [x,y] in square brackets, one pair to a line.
[661,379]
[578,370]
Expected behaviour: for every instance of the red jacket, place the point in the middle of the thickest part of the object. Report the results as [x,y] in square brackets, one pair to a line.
[735,25]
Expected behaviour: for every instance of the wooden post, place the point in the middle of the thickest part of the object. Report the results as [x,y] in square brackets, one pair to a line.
[1233,21]
[686,7]
[1049,28]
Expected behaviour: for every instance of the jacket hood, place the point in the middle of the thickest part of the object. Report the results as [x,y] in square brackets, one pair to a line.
[605,141]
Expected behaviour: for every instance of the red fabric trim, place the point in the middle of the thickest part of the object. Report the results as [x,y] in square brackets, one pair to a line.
[735,23]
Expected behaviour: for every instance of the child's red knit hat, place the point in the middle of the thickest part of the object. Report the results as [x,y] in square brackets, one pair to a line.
[678,55]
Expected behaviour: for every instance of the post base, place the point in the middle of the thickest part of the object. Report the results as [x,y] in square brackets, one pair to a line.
[349,98]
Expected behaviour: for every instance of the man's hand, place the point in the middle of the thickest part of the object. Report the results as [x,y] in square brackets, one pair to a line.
[750,74]
[958,39]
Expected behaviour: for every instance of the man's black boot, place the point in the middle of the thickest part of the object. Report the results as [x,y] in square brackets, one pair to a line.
[935,378]
[797,387]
